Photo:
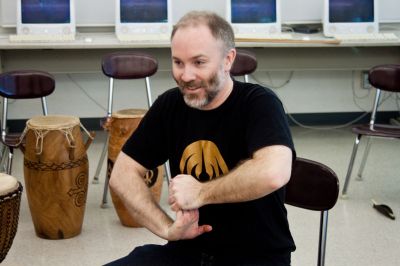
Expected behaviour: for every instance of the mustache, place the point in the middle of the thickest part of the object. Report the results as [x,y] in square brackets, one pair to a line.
[192,84]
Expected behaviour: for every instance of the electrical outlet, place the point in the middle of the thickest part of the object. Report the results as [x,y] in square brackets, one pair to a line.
[364,80]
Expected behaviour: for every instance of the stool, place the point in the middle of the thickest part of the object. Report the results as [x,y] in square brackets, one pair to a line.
[22,84]
[123,65]
[245,63]
[386,78]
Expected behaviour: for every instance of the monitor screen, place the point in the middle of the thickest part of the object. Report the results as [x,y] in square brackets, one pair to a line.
[342,11]
[46,17]
[254,18]
[144,11]
[143,17]
[45,11]
[350,17]
[257,11]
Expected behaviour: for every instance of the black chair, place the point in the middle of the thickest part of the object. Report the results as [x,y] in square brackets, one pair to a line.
[245,63]
[313,186]
[383,78]
[123,65]
[22,84]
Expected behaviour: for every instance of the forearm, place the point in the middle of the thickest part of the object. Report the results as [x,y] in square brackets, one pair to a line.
[267,171]
[128,183]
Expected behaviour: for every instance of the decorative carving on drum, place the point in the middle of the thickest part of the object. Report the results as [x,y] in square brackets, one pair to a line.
[120,126]
[10,200]
[56,172]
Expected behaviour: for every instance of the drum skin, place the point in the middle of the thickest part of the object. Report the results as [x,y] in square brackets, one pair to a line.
[121,126]
[56,182]
[9,216]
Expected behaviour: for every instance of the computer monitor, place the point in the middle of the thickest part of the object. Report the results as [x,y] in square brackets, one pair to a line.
[254,16]
[46,17]
[143,17]
[350,17]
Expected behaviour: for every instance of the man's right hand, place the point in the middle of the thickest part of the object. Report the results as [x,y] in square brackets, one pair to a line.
[186,226]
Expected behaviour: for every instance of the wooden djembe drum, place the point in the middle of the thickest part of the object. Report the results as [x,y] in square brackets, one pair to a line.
[10,199]
[121,125]
[56,172]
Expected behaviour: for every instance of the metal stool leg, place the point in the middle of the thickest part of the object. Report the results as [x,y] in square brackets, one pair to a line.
[101,161]
[353,156]
[167,171]
[364,159]
[4,158]
[10,160]
[107,178]
[105,192]
[323,230]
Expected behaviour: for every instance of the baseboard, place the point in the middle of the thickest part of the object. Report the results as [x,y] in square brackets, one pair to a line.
[309,119]
[342,118]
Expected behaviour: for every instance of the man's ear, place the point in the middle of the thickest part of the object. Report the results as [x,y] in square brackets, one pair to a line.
[229,59]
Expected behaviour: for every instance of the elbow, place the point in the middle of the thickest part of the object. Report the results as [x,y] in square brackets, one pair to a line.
[276,181]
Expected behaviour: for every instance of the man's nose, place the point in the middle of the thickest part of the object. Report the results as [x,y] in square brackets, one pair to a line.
[188,74]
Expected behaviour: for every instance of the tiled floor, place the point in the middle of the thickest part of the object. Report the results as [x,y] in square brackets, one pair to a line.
[357,234]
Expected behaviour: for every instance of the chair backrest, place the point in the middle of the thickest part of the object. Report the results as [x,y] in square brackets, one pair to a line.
[24,84]
[128,65]
[383,77]
[245,63]
[313,186]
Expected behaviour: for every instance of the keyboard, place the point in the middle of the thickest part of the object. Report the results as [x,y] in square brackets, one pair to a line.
[143,37]
[41,38]
[278,36]
[369,37]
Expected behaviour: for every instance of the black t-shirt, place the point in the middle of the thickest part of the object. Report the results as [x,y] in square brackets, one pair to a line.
[208,144]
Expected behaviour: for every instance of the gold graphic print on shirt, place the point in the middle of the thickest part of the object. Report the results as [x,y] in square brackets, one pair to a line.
[203,160]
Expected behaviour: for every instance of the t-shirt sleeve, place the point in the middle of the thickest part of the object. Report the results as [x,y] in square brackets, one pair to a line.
[147,144]
[267,123]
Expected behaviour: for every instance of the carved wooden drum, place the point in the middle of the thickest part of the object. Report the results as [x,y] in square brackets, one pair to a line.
[10,199]
[121,126]
[56,175]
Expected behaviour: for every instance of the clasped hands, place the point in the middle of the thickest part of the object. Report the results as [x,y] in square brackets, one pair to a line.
[185,199]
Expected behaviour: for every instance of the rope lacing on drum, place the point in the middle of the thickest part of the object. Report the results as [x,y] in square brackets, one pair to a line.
[87,132]
[40,134]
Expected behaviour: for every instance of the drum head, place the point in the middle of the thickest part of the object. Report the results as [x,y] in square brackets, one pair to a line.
[7,184]
[129,113]
[52,122]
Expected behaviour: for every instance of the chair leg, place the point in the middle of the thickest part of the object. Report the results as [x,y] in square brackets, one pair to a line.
[364,159]
[323,231]
[105,192]
[4,158]
[167,171]
[101,161]
[350,168]
[10,160]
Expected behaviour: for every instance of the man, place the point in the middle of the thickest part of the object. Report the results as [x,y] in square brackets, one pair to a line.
[230,153]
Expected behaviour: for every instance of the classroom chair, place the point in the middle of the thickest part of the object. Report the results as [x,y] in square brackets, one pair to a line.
[313,186]
[21,84]
[383,78]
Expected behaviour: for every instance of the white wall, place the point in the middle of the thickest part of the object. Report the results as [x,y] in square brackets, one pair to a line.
[85,95]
